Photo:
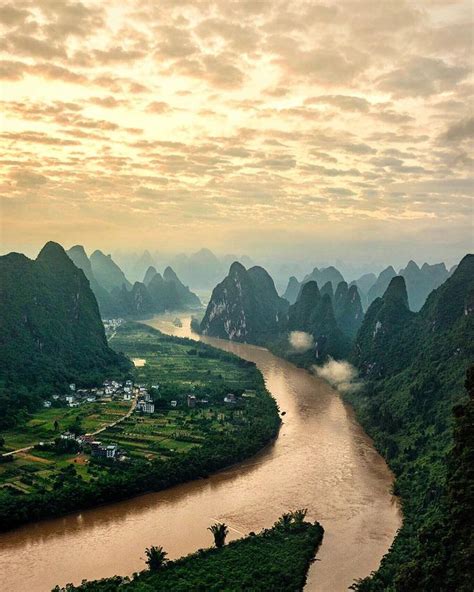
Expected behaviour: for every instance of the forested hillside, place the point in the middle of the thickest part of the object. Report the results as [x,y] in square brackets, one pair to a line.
[50,331]
[118,298]
[414,365]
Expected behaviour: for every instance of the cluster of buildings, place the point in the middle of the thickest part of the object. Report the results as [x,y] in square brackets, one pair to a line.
[111,325]
[145,403]
[108,391]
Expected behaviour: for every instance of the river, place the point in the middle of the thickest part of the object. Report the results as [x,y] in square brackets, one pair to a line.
[322,460]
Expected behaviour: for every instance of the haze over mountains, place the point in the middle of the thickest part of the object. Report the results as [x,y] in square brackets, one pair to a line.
[111,278]
[420,282]
[117,297]
[200,270]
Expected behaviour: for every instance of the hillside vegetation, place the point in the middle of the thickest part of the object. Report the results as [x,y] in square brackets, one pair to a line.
[415,365]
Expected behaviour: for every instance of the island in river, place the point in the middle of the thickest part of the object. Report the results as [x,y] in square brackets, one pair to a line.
[322,460]
[275,559]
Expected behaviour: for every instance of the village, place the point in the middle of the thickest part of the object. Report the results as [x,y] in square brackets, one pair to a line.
[142,403]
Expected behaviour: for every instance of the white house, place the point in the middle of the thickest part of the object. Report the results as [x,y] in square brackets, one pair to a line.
[146,406]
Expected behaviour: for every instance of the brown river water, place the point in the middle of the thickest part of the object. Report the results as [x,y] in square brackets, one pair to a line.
[322,460]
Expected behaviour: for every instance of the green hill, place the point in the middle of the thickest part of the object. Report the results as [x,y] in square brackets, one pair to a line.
[414,365]
[50,329]
[245,306]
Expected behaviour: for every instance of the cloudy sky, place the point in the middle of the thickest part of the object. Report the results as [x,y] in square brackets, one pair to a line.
[293,127]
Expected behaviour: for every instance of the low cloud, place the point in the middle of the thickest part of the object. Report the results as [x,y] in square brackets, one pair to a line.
[341,375]
[300,341]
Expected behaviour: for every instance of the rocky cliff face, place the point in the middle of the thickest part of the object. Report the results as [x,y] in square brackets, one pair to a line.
[348,309]
[245,307]
[313,313]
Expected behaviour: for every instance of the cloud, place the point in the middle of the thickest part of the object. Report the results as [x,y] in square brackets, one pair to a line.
[158,107]
[422,76]
[26,178]
[11,15]
[10,70]
[459,131]
[345,102]
[341,375]
[300,341]
[109,102]
[31,46]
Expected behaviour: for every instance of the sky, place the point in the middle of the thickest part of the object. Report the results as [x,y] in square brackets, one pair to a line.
[293,129]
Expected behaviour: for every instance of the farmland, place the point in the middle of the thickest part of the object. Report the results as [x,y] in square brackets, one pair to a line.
[208,409]
[180,368]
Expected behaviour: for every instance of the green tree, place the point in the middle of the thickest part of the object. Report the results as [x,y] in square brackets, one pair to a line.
[155,558]
[220,531]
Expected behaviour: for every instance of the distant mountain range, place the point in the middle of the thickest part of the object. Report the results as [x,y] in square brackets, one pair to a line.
[117,297]
[201,270]
[246,307]
[50,329]
[419,281]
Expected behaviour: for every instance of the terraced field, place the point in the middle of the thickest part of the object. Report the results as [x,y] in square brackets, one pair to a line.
[40,426]
[178,368]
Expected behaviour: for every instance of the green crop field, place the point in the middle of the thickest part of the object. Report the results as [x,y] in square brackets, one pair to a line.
[180,368]
[40,426]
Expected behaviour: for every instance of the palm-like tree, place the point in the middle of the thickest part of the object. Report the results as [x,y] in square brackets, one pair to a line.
[219,530]
[284,522]
[155,558]
[299,516]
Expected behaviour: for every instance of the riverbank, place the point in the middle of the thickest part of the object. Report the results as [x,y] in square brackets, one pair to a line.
[274,559]
[192,432]
[322,460]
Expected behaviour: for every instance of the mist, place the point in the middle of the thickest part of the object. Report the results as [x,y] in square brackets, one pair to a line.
[300,341]
[341,375]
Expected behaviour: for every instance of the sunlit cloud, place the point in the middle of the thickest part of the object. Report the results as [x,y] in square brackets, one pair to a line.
[281,123]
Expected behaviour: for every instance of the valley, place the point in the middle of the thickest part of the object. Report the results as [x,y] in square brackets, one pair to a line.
[321,460]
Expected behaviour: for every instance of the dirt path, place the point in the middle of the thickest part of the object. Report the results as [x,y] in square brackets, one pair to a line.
[110,425]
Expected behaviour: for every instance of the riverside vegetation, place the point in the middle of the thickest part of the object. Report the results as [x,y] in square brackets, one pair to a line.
[413,366]
[171,445]
[275,559]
